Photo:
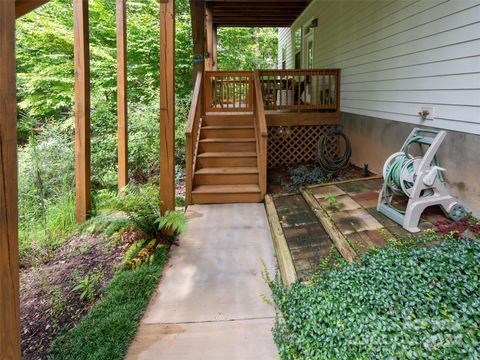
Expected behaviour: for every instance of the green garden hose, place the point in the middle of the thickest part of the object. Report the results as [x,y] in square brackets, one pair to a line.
[328,161]
[402,162]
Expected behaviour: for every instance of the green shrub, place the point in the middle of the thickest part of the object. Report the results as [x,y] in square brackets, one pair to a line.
[46,190]
[141,204]
[406,303]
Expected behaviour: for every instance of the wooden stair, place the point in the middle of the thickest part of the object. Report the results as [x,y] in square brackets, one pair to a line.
[226,168]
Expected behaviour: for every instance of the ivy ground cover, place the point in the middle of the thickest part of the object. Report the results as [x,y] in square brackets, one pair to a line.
[398,303]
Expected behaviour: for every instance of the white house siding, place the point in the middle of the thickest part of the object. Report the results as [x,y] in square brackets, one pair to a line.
[397,56]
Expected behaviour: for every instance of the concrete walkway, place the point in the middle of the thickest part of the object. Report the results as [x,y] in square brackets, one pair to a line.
[208,304]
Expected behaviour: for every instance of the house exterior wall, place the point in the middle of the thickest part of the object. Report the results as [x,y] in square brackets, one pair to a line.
[374,139]
[397,57]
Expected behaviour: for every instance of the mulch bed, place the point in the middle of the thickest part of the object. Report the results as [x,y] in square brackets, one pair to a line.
[48,306]
[278,177]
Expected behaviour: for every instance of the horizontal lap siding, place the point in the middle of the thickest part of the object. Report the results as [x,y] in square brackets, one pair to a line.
[285,40]
[397,56]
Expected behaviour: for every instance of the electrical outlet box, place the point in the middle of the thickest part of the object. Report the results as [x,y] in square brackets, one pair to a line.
[430,110]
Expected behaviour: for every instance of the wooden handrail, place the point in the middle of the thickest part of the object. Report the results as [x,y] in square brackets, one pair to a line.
[192,135]
[259,107]
[194,105]
[261,131]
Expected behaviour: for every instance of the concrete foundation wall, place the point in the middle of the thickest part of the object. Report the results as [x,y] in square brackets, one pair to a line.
[374,139]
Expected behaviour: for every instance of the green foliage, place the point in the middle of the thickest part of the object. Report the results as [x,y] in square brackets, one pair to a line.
[87,286]
[142,206]
[332,202]
[247,48]
[174,221]
[406,303]
[45,95]
[106,332]
[46,191]
[302,176]
[105,224]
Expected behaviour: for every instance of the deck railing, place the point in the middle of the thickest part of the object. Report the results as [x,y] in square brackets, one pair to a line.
[228,91]
[301,90]
[192,134]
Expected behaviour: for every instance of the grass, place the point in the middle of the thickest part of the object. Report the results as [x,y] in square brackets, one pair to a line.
[106,332]
[407,303]
[40,236]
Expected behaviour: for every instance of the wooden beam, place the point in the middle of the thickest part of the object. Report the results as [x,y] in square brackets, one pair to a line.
[276,118]
[23,7]
[82,108]
[167,105]
[122,99]
[252,23]
[9,264]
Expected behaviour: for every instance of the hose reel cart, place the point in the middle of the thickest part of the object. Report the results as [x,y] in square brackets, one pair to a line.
[419,178]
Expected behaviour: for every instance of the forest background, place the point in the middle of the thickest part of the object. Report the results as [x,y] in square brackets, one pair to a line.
[45,77]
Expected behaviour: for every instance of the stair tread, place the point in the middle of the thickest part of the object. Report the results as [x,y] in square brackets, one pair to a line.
[237,113]
[228,170]
[222,127]
[226,189]
[228,154]
[209,140]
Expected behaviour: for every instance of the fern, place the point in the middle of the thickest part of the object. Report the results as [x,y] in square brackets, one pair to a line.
[173,221]
[141,204]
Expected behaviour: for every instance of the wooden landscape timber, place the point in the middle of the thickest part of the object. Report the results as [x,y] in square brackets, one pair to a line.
[337,237]
[285,262]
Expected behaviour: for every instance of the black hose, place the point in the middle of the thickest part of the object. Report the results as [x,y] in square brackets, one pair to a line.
[329,162]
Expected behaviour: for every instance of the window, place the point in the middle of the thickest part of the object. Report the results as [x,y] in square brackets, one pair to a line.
[284,58]
[298,48]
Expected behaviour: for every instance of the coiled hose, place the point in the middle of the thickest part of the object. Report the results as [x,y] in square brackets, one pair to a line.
[327,161]
[393,182]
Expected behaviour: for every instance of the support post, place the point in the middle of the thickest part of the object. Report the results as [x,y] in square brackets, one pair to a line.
[214,47]
[197,11]
[9,263]
[209,63]
[82,109]
[167,105]
[122,98]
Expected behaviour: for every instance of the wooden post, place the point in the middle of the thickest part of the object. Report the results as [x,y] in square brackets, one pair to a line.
[122,100]
[214,47]
[9,264]
[209,38]
[167,104]
[197,11]
[82,108]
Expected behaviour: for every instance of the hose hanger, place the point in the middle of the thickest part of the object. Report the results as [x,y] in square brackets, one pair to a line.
[419,178]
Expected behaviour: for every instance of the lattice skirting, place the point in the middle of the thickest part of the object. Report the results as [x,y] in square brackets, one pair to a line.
[293,145]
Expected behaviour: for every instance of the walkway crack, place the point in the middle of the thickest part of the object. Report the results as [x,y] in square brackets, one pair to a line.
[213,321]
